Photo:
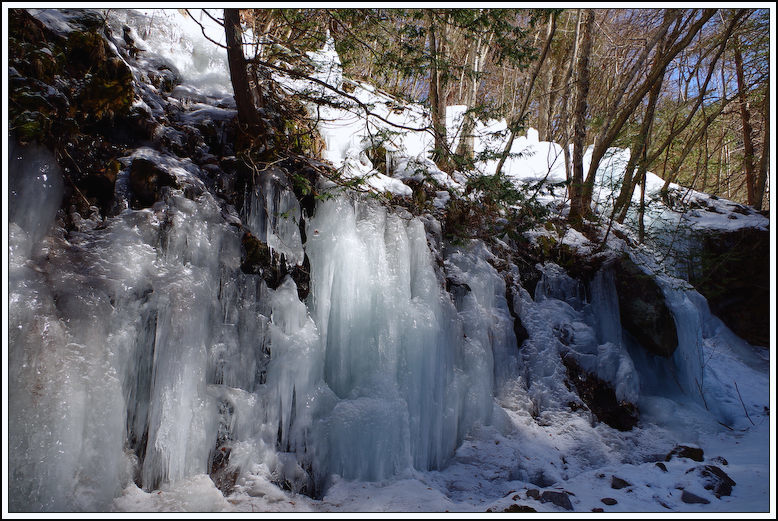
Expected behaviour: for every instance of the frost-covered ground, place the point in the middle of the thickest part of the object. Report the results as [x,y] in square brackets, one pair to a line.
[411,374]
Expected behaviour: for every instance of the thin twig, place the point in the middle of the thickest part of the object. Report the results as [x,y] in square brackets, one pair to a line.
[202,28]
[88,204]
[218,21]
[702,395]
[741,403]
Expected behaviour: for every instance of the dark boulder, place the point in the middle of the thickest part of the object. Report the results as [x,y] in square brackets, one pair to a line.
[609,501]
[519,509]
[732,271]
[600,397]
[146,182]
[684,451]
[642,309]
[560,499]
[688,497]
[619,483]
[716,480]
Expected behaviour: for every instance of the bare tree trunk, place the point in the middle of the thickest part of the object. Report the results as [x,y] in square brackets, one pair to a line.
[642,140]
[247,113]
[578,205]
[515,122]
[642,209]
[436,90]
[467,139]
[761,178]
[547,112]
[623,109]
[564,117]
[745,117]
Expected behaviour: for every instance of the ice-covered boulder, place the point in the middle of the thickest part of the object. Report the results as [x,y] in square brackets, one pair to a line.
[733,272]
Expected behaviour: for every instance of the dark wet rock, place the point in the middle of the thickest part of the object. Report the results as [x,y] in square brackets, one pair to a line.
[619,483]
[716,480]
[684,451]
[598,509]
[560,499]
[162,74]
[688,497]
[147,181]
[719,460]
[218,136]
[256,256]
[224,475]
[533,493]
[71,91]
[301,275]
[258,259]
[642,309]
[235,181]
[662,466]
[458,290]
[81,65]
[732,271]
[600,397]
[91,164]
[518,328]
[519,508]
[609,501]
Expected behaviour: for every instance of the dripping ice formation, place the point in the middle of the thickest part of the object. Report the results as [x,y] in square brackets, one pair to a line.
[375,380]
[141,355]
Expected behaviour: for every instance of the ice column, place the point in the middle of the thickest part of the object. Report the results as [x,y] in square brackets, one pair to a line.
[394,354]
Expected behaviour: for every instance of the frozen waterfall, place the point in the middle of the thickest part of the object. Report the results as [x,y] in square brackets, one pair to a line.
[160,352]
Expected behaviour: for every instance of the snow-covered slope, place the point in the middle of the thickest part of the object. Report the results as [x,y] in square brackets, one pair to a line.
[148,372]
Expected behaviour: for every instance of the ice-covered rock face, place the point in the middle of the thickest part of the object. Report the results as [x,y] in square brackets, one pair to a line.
[151,332]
